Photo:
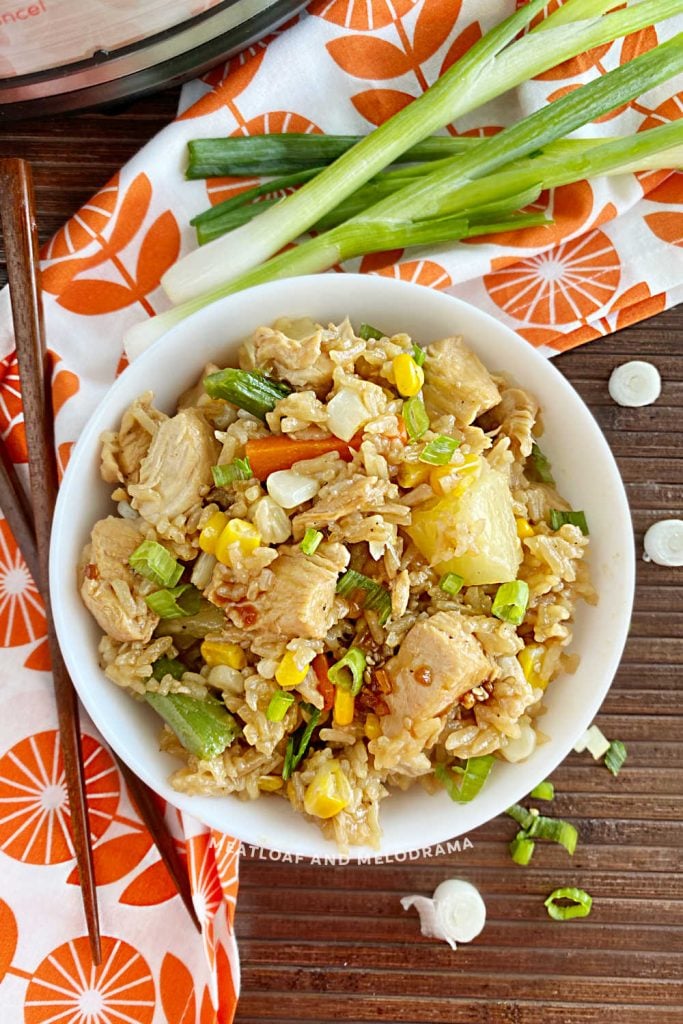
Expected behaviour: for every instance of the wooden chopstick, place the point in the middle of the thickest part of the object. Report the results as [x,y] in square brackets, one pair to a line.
[21,244]
[20,518]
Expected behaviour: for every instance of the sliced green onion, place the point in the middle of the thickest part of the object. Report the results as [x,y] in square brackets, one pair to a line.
[175,603]
[615,756]
[298,744]
[279,705]
[367,331]
[451,583]
[419,354]
[311,541]
[226,474]
[558,517]
[415,417]
[156,564]
[510,602]
[247,389]
[542,470]
[439,450]
[167,667]
[520,814]
[377,598]
[580,905]
[471,778]
[543,791]
[555,830]
[204,727]
[522,848]
[348,671]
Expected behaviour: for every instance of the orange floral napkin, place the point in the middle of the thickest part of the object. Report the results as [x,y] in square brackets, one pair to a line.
[345,66]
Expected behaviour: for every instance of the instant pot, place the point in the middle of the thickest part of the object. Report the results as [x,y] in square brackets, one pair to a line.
[58,55]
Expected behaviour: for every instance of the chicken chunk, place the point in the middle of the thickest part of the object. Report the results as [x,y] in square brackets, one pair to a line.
[123,451]
[341,498]
[109,587]
[296,356]
[175,474]
[300,602]
[439,660]
[457,382]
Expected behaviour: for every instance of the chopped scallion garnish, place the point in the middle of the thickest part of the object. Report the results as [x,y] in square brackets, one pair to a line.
[520,814]
[615,756]
[167,667]
[247,389]
[555,830]
[579,906]
[204,727]
[510,602]
[297,745]
[348,671]
[156,564]
[311,541]
[558,518]
[543,791]
[439,450]
[522,848]
[540,465]
[367,331]
[174,603]
[415,417]
[463,784]
[279,705]
[377,597]
[451,583]
[240,469]
[419,354]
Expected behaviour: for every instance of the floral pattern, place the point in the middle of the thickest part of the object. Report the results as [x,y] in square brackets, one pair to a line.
[609,257]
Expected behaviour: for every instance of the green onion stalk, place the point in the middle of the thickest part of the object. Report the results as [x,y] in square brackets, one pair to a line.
[436,208]
[496,63]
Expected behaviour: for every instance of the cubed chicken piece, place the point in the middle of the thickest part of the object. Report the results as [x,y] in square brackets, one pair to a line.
[339,499]
[439,660]
[176,472]
[457,382]
[300,602]
[109,587]
[124,450]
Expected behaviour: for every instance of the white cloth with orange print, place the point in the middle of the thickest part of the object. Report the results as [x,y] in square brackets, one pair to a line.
[342,67]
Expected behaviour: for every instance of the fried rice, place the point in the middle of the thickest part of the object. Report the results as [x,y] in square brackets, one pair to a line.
[413,480]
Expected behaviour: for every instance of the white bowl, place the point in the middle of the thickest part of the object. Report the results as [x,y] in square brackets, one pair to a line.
[583,466]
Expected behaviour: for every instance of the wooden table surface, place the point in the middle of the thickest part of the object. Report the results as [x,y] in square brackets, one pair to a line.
[324,945]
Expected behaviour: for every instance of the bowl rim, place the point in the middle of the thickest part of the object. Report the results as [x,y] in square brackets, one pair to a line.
[89,437]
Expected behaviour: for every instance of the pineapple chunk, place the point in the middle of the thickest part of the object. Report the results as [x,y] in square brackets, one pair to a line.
[497,551]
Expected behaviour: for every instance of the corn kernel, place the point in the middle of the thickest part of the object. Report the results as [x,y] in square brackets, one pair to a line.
[524,528]
[408,375]
[372,727]
[328,793]
[236,531]
[410,474]
[212,531]
[530,659]
[288,672]
[270,783]
[344,704]
[218,652]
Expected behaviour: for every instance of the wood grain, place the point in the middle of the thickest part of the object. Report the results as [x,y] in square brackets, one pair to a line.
[331,945]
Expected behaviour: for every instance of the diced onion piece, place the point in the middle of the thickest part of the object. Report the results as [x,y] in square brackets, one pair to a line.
[581,904]
[522,746]
[597,743]
[271,521]
[455,913]
[290,489]
[126,511]
[635,384]
[202,570]
[346,414]
[663,543]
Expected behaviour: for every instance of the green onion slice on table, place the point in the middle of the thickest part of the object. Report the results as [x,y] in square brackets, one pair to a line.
[577,903]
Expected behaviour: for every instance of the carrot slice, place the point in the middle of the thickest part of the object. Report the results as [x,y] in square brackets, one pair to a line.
[269,454]
[325,687]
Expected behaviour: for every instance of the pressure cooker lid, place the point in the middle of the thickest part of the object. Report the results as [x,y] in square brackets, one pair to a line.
[66,54]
